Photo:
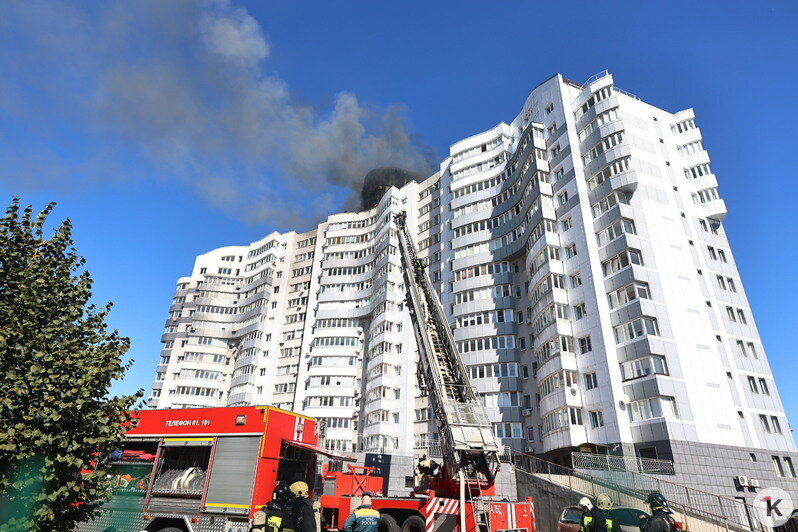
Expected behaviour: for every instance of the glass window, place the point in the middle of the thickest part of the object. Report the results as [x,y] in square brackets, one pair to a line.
[777,466]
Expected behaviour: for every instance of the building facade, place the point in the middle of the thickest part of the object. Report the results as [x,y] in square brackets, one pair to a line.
[581,257]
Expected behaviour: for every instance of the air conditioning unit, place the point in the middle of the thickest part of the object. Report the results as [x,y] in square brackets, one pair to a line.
[530,448]
[741,480]
[526,412]
[754,483]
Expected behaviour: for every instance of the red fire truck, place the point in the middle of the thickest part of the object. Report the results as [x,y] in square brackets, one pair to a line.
[205,469]
[211,469]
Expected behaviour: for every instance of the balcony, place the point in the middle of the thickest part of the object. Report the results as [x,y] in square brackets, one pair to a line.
[568,436]
[564,360]
[566,396]
[714,209]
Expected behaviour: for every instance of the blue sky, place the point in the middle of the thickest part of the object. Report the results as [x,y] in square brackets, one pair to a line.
[138,119]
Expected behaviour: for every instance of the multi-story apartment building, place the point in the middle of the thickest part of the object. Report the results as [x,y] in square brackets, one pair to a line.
[581,258]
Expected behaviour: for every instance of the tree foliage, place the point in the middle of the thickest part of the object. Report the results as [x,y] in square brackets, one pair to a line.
[57,362]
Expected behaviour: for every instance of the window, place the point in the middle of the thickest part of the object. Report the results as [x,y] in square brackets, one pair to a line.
[549,108]
[508,430]
[776,425]
[654,407]
[763,420]
[570,251]
[609,201]
[722,255]
[580,311]
[530,434]
[752,385]
[741,316]
[584,345]
[777,466]
[567,224]
[752,350]
[731,315]
[789,469]
[620,261]
[615,230]
[614,168]
[576,280]
[596,419]
[636,328]
[763,386]
[641,367]
[591,381]
[562,198]
[561,418]
[628,293]
[712,253]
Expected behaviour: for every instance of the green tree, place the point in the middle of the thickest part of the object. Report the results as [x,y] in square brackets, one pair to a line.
[57,362]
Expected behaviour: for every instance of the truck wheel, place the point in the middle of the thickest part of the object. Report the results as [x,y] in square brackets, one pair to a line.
[388,524]
[413,524]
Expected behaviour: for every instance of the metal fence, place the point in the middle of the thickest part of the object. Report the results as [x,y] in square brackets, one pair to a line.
[611,462]
[699,510]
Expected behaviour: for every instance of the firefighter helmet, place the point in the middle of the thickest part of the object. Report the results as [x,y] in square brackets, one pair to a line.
[656,500]
[300,489]
[282,494]
[603,501]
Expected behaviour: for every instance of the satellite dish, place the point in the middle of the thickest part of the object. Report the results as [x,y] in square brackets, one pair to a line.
[624,400]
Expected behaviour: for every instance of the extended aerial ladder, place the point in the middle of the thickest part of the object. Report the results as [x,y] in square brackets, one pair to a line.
[469,447]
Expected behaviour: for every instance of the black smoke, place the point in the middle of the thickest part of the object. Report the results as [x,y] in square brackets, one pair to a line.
[185,90]
[379,180]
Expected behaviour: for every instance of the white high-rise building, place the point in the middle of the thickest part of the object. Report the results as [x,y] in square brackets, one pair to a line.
[581,258]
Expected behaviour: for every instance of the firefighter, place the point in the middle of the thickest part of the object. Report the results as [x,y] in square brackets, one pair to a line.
[660,520]
[364,518]
[598,518]
[277,515]
[425,470]
[303,508]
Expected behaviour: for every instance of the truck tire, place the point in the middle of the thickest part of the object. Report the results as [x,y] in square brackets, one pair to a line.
[388,524]
[413,523]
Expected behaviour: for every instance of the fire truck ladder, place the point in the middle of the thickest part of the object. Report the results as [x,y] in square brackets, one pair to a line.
[480,509]
[469,446]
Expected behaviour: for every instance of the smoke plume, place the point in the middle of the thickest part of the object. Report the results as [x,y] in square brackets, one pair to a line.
[184,86]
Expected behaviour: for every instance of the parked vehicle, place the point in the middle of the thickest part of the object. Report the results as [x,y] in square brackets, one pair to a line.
[570,519]
[626,519]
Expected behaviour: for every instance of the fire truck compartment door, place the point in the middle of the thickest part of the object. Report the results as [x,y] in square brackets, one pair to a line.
[321,450]
[232,475]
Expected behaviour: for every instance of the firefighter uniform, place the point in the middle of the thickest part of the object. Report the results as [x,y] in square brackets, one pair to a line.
[363,519]
[279,518]
[596,520]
